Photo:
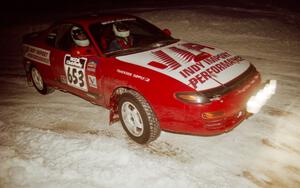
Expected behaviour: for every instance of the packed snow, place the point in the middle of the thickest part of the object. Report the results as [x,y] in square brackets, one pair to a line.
[60,140]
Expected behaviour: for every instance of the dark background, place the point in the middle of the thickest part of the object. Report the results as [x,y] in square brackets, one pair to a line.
[13,11]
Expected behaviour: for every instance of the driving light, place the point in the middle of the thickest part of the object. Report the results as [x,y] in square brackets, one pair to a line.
[257,101]
[192,97]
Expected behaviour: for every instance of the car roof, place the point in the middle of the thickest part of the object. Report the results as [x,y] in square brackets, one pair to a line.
[98,18]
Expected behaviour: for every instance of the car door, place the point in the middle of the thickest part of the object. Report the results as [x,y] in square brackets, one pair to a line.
[74,67]
[60,44]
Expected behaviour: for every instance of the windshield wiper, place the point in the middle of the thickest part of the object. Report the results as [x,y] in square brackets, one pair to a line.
[163,42]
[142,48]
[124,51]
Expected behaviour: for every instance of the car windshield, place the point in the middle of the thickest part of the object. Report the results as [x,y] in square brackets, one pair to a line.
[136,35]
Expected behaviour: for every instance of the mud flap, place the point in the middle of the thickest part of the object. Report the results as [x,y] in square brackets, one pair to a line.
[29,82]
[27,66]
[113,117]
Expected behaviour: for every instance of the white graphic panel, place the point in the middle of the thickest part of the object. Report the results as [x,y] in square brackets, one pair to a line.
[75,71]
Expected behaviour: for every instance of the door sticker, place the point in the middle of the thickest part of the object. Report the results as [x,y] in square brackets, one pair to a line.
[37,54]
[74,70]
[92,81]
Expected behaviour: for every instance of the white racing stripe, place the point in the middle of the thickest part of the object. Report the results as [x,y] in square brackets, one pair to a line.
[200,67]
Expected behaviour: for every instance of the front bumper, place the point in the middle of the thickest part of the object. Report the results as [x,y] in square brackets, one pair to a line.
[234,108]
[252,106]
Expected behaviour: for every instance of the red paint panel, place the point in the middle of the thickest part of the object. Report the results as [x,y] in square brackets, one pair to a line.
[201,56]
[157,65]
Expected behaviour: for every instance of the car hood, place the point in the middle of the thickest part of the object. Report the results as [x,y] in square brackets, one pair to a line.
[200,67]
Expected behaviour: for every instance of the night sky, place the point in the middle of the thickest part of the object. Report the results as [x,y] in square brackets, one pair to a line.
[29,10]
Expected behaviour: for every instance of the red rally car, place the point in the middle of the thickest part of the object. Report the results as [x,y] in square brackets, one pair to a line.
[145,77]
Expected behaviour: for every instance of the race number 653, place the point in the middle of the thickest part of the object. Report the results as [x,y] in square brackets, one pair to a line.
[74,69]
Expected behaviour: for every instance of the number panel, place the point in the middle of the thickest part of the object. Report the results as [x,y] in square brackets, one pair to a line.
[75,71]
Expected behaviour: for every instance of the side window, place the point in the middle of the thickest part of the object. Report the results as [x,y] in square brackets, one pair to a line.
[63,38]
[67,36]
[103,34]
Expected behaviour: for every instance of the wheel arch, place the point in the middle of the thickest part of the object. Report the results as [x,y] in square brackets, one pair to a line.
[44,89]
[147,116]
[114,100]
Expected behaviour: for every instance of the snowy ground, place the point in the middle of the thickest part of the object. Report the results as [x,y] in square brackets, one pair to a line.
[60,140]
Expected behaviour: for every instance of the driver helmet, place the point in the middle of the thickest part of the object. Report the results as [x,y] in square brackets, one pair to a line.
[121,30]
[79,37]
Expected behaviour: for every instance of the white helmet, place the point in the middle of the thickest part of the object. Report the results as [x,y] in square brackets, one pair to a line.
[79,37]
[121,30]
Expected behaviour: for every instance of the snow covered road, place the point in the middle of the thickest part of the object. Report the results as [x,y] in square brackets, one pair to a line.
[61,140]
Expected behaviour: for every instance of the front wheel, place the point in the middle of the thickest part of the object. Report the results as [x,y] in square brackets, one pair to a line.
[138,118]
[38,82]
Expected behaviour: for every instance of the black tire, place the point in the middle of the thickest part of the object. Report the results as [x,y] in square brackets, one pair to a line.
[38,82]
[134,109]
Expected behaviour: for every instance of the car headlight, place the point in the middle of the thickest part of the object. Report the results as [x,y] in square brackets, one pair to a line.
[192,97]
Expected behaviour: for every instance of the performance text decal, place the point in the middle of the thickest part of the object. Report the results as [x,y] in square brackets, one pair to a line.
[200,67]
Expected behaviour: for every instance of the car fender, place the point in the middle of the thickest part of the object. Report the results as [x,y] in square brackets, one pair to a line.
[153,86]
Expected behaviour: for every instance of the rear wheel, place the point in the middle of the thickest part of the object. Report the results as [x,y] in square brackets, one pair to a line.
[38,82]
[138,118]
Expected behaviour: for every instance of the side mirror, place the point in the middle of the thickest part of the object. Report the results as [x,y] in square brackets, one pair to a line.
[167,32]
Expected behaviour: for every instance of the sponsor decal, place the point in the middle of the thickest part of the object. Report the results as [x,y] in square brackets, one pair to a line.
[91,69]
[91,66]
[37,54]
[200,67]
[171,63]
[74,69]
[133,75]
[199,75]
[182,56]
[92,81]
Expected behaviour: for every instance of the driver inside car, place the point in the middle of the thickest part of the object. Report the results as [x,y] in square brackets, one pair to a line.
[122,40]
[79,37]
[81,45]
